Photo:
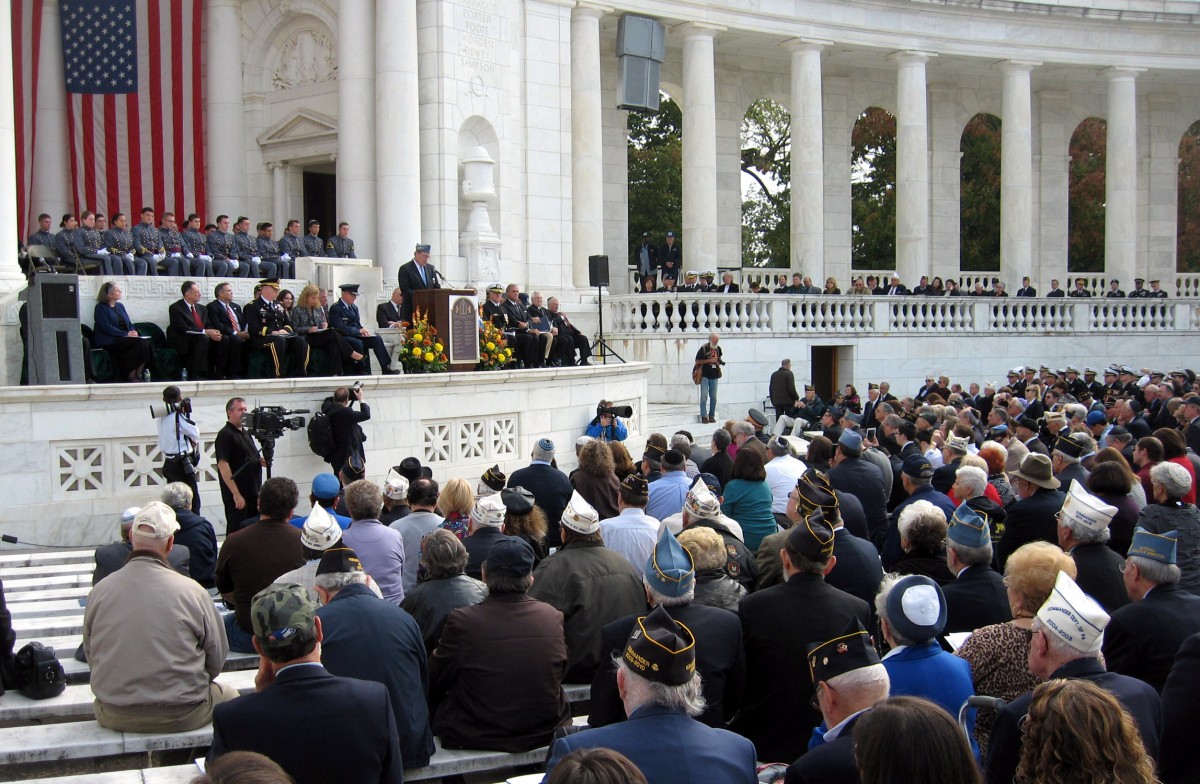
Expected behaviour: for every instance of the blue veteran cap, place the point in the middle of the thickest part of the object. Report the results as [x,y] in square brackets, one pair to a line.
[669,570]
[968,527]
[1156,547]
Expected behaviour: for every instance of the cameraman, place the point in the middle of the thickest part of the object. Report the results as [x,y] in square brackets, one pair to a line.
[179,442]
[607,426]
[239,465]
[348,436]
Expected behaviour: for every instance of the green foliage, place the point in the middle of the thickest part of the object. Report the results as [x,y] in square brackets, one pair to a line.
[655,172]
[979,180]
[1188,242]
[1085,210]
[873,191]
[766,208]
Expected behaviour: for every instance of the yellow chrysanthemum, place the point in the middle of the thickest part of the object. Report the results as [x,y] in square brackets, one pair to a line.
[417,337]
[491,346]
[437,347]
[416,351]
[429,356]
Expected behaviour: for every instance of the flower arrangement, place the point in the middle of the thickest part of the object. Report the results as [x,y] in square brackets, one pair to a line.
[494,352]
[422,351]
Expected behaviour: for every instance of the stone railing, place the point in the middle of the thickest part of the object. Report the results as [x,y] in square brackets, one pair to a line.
[677,313]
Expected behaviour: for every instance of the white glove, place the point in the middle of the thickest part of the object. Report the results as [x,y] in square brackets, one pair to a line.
[159,257]
[129,256]
[177,254]
[234,264]
[285,257]
[189,255]
[255,259]
[204,258]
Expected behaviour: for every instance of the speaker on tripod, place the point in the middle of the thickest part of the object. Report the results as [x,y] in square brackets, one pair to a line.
[598,277]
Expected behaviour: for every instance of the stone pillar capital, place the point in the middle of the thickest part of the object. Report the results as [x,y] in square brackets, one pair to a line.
[911,57]
[1018,66]
[698,29]
[805,44]
[1122,72]
[594,10]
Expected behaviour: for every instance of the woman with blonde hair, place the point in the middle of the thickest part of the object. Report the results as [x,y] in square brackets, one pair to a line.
[998,654]
[455,503]
[308,319]
[1078,733]
[714,588]
[831,286]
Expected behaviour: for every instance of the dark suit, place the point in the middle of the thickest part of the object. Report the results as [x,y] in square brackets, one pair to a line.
[896,291]
[864,480]
[1139,699]
[1056,293]
[1027,291]
[668,747]
[551,491]
[386,313]
[355,718]
[670,259]
[218,319]
[975,599]
[782,391]
[1192,435]
[345,319]
[719,660]
[1031,519]
[195,348]
[1142,638]
[858,571]
[409,280]
[777,625]
[1180,764]
[528,347]
[1036,444]
[829,763]
[1099,568]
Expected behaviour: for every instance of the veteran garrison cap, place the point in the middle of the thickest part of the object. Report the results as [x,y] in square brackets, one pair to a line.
[850,650]
[494,478]
[669,569]
[968,527]
[661,649]
[339,560]
[1156,547]
[811,538]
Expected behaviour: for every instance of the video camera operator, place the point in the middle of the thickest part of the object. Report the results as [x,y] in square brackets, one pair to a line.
[348,436]
[179,441]
[607,424]
[240,467]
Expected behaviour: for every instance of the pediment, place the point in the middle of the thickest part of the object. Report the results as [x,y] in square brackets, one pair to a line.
[303,126]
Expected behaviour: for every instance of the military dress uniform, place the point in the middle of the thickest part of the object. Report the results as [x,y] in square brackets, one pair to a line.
[150,247]
[120,244]
[263,318]
[247,253]
[292,245]
[44,238]
[1115,293]
[90,245]
[345,318]
[268,251]
[172,240]
[220,247]
[195,249]
[66,248]
[340,247]
[312,245]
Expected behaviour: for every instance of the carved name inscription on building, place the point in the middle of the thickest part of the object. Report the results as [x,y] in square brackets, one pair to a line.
[478,35]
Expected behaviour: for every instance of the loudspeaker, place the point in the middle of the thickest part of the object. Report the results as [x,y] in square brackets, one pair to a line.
[597,270]
[641,37]
[641,47]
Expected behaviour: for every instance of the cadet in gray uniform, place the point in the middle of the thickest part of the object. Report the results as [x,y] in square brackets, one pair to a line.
[119,242]
[291,243]
[172,241]
[220,247]
[65,244]
[312,243]
[149,246]
[268,251]
[43,236]
[89,243]
[341,246]
[247,250]
[195,249]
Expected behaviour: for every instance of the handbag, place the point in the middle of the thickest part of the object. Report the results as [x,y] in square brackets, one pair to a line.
[39,674]
[697,374]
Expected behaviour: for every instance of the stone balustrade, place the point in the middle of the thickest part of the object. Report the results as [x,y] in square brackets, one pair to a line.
[679,313]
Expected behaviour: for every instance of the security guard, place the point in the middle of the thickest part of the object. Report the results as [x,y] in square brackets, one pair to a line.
[270,329]
[312,244]
[341,246]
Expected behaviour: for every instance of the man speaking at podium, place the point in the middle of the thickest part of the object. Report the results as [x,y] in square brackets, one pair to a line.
[416,275]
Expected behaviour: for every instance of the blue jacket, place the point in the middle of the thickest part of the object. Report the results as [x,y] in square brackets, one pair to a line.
[345,319]
[614,432]
[196,533]
[374,640]
[667,494]
[925,670]
[668,747]
[108,324]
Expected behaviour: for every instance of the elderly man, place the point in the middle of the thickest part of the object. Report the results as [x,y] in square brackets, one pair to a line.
[661,692]
[295,694]
[1032,517]
[1065,460]
[916,475]
[372,639]
[977,597]
[1067,634]
[446,587]
[416,275]
[196,536]
[1142,638]
[632,532]
[589,584]
[496,674]
[550,487]
[667,493]
[782,389]
[319,533]
[702,508]
[1083,533]
[423,519]
[953,452]
[670,582]
[863,480]
[485,529]
[114,555]
[777,624]
[252,558]
[849,680]
[381,548]
[783,471]
[153,638]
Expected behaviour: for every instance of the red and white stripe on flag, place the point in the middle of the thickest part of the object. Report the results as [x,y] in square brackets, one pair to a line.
[26,43]
[146,148]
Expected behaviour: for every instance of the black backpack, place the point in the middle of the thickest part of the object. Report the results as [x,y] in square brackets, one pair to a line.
[320,436]
[39,674]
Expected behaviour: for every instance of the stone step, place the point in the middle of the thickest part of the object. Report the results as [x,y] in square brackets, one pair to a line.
[79,592]
[45,570]
[11,559]
[20,585]
[37,627]
[45,608]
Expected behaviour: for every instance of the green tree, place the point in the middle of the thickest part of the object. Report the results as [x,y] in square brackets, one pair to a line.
[1085,210]
[766,206]
[979,197]
[655,199]
[1187,257]
[873,191]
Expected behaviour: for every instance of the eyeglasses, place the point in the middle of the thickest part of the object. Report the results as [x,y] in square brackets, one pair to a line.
[1124,566]
[815,702]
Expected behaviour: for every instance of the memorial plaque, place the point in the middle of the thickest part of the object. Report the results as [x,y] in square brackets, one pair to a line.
[464,331]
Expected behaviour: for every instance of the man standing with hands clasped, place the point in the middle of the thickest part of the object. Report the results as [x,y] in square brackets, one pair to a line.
[708,362]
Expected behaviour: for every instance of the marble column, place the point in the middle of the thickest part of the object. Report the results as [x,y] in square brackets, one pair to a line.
[225,123]
[808,158]
[587,141]
[912,167]
[279,193]
[11,278]
[699,147]
[1120,182]
[397,139]
[356,123]
[51,189]
[1016,173]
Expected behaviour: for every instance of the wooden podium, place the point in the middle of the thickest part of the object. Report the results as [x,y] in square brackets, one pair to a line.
[454,313]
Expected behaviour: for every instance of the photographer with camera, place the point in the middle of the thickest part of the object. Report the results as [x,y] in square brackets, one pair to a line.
[179,441]
[344,421]
[607,424]
[240,467]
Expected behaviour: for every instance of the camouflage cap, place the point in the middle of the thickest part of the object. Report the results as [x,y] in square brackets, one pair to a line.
[279,611]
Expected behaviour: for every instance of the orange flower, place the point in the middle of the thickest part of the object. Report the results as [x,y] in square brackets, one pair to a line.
[427,342]
[442,358]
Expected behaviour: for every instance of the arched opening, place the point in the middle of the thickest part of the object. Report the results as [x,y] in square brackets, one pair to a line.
[1187,242]
[979,195]
[655,169]
[766,185]
[873,190]
[1085,208]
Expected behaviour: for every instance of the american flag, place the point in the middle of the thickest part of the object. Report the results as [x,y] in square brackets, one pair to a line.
[134,98]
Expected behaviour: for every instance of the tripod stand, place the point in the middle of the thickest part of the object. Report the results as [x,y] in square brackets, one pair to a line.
[600,343]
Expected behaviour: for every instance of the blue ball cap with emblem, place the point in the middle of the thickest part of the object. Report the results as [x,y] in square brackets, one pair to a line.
[669,569]
[968,527]
[918,467]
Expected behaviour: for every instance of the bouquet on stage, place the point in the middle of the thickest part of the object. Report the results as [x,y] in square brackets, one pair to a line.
[494,352]
[422,351]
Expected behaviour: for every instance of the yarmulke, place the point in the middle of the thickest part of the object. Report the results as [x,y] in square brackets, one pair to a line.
[579,516]
[1096,418]
[1156,547]
[339,560]
[968,527]
[916,608]
[674,460]
[661,649]
[1028,422]
[517,500]
[1073,617]
[850,650]
[669,569]
[326,486]
[510,555]
[128,515]
[811,538]
[320,531]
[545,444]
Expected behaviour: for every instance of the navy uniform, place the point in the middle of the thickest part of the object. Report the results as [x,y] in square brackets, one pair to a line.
[247,253]
[340,247]
[344,317]
[311,243]
[1114,292]
[266,316]
[121,245]
[268,251]
[150,247]
[690,282]
[1156,293]
[495,312]
[220,247]
[1094,387]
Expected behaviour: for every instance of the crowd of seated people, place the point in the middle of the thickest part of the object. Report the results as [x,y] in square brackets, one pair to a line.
[1039,538]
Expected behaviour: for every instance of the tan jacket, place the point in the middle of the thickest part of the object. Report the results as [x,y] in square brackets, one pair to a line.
[152,636]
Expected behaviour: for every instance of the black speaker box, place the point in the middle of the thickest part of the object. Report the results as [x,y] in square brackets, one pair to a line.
[597,270]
